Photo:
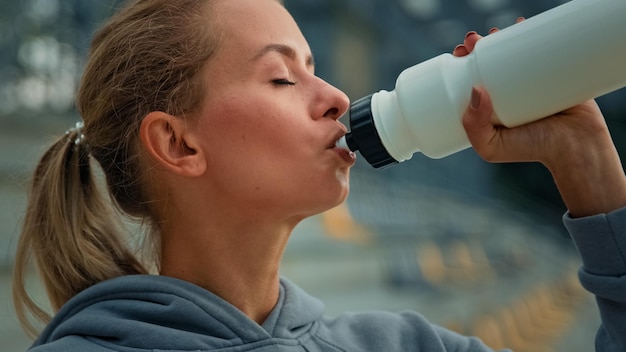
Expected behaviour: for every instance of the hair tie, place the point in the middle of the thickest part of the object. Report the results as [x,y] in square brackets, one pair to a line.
[78,130]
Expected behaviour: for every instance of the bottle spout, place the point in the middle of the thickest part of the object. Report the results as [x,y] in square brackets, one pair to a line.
[364,137]
[343,142]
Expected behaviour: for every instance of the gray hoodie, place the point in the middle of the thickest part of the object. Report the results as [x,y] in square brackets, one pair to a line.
[156,313]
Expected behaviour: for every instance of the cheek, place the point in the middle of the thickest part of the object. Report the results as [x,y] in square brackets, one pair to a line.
[276,159]
[258,136]
[228,126]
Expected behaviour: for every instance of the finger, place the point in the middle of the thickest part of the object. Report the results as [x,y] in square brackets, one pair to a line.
[460,50]
[495,143]
[493,30]
[520,19]
[470,40]
[477,123]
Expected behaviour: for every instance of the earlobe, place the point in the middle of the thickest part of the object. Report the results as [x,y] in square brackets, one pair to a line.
[171,145]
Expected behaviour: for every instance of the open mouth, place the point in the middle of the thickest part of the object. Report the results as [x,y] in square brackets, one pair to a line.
[342,143]
[339,141]
[340,147]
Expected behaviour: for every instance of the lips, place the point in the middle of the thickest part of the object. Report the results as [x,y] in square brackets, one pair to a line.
[345,154]
[337,136]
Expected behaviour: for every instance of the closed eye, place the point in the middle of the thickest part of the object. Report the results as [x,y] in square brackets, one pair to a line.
[283,82]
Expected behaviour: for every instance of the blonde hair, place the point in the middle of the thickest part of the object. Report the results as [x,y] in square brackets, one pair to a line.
[147,57]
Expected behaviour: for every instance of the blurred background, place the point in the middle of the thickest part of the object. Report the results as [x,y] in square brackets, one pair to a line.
[476,247]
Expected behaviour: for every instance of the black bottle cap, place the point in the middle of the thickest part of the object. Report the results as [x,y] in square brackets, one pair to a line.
[363,135]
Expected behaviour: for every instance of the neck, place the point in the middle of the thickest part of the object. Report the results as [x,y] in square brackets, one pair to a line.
[236,260]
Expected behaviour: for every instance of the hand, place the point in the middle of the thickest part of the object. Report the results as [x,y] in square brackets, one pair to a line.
[575,145]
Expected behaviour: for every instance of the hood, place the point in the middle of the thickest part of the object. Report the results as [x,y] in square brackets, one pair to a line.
[164,313]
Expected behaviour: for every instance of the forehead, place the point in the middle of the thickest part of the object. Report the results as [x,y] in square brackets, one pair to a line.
[247,26]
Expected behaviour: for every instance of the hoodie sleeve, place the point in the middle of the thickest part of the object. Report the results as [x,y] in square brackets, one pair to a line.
[601,242]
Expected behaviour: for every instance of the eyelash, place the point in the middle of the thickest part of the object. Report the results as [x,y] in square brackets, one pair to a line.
[283,82]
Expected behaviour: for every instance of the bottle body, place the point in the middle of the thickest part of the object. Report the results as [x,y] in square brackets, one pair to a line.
[531,70]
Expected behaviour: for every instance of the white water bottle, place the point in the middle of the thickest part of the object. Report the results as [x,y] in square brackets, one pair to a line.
[533,69]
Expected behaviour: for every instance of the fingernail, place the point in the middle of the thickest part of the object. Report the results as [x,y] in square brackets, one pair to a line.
[475,100]
[470,33]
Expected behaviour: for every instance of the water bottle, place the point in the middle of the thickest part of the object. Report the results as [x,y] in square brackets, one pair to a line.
[533,69]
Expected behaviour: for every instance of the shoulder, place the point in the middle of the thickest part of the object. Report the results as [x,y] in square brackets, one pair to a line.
[380,330]
[70,344]
[392,325]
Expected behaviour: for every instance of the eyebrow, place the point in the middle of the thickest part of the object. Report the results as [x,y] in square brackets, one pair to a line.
[284,50]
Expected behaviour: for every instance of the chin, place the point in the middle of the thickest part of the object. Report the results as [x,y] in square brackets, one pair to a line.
[343,176]
[329,196]
[341,198]
[344,195]
[328,204]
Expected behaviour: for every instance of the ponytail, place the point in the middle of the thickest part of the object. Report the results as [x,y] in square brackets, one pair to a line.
[149,56]
[70,229]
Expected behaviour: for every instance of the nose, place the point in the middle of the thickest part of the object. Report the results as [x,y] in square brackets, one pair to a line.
[333,103]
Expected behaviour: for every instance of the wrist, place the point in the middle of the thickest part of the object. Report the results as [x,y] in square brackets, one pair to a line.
[590,181]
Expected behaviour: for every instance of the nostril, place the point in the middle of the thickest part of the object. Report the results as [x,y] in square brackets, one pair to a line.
[333,112]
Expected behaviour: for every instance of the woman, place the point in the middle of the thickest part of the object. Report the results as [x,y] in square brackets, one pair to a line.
[211,127]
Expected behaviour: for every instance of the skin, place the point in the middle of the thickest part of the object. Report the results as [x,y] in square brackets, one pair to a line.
[233,181]
[575,145]
[259,157]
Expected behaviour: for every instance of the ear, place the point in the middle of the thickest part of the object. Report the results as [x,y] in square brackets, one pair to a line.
[170,144]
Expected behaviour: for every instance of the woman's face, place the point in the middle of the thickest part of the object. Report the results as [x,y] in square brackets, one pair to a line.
[269,124]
